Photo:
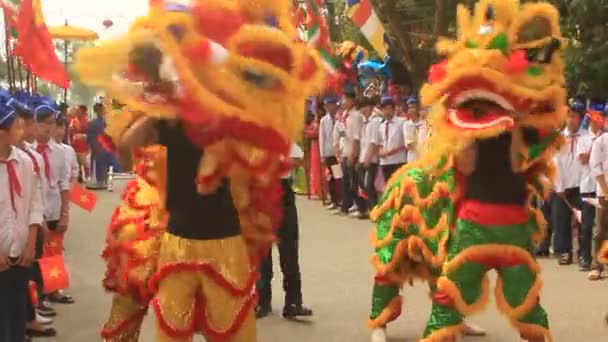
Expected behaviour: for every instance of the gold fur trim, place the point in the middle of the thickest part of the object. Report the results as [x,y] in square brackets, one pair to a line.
[447,286]
[388,314]
[443,334]
[481,251]
[522,309]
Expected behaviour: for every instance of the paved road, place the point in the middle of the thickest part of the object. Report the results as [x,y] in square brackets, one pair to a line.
[337,283]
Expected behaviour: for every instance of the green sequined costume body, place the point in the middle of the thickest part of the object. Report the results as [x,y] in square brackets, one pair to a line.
[420,236]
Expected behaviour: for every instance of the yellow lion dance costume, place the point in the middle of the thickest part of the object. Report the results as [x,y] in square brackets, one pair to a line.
[467,207]
[230,79]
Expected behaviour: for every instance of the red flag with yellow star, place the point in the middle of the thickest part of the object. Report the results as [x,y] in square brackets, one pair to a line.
[35,45]
[83,198]
[54,273]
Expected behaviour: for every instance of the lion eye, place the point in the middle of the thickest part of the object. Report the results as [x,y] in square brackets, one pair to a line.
[258,79]
[544,54]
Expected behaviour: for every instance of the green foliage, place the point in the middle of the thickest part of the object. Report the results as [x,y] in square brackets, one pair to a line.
[584,23]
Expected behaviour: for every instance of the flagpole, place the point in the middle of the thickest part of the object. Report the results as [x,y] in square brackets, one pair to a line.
[9,59]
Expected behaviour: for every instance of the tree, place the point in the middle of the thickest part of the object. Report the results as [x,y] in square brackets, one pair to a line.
[584,23]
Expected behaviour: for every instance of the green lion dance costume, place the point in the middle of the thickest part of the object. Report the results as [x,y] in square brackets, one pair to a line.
[466,207]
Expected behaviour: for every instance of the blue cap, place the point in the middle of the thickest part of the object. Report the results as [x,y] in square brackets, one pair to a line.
[330,99]
[411,100]
[7,115]
[387,101]
[598,107]
[43,109]
[577,105]
[17,105]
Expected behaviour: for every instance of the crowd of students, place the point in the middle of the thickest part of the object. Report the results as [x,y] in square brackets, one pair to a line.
[37,170]
[361,143]
[355,144]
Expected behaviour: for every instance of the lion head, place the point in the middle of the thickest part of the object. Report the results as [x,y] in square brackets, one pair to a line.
[504,67]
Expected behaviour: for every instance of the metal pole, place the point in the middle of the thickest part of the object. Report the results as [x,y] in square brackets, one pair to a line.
[9,65]
[65,63]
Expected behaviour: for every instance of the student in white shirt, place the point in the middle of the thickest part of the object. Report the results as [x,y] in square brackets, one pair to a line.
[390,139]
[411,130]
[587,187]
[567,187]
[351,140]
[326,146]
[20,219]
[368,159]
[59,135]
[58,176]
[288,234]
[598,162]
[36,323]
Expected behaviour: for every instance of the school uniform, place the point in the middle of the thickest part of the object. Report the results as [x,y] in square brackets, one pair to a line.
[367,174]
[567,183]
[57,172]
[599,168]
[20,209]
[352,122]
[288,241]
[390,137]
[411,132]
[328,153]
[587,190]
[72,159]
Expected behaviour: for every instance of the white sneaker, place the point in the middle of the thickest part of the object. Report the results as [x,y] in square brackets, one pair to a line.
[43,320]
[331,206]
[379,335]
[471,329]
[353,208]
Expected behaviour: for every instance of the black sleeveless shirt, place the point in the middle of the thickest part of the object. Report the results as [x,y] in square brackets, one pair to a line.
[493,180]
[191,215]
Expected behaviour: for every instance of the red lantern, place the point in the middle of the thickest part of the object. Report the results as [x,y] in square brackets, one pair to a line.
[108,23]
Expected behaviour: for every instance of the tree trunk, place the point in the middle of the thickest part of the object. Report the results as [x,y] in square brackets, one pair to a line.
[441,18]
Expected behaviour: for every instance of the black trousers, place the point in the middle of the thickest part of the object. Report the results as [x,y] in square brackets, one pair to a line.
[367,182]
[288,235]
[13,297]
[562,220]
[388,170]
[333,190]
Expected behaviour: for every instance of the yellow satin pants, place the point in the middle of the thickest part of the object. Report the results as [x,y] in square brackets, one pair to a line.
[205,286]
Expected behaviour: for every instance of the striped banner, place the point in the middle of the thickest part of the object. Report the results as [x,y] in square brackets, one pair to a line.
[316,33]
[362,14]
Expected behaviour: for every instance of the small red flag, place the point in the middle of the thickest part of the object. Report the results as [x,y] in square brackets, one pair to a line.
[33,293]
[83,198]
[54,274]
[53,246]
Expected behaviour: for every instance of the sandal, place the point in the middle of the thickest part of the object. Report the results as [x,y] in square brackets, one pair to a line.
[565,259]
[48,332]
[594,275]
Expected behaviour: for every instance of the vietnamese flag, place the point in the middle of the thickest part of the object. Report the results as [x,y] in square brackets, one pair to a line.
[53,246]
[35,45]
[83,198]
[54,274]
[33,291]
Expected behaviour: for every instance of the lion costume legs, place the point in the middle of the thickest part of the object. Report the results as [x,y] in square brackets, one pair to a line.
[463,288]
[205,286]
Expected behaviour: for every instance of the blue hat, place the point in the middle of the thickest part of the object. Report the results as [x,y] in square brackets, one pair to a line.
[17,105]
[43,109]
[387,101]
[7,116]
[577,105]
[598,107]
[412,100]
[330,99]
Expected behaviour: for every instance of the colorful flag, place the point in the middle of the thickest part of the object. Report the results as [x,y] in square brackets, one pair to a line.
[317,35]
[83,198]
[54,274]
[11,9]
[53,245]
[362,14]
[33,292]
[35,45]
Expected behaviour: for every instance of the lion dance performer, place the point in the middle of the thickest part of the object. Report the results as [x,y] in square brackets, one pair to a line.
[464,208]
[221,85]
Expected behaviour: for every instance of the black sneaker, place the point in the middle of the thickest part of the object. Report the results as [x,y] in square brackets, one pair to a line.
[585,266]
[293,311]
[262,311]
